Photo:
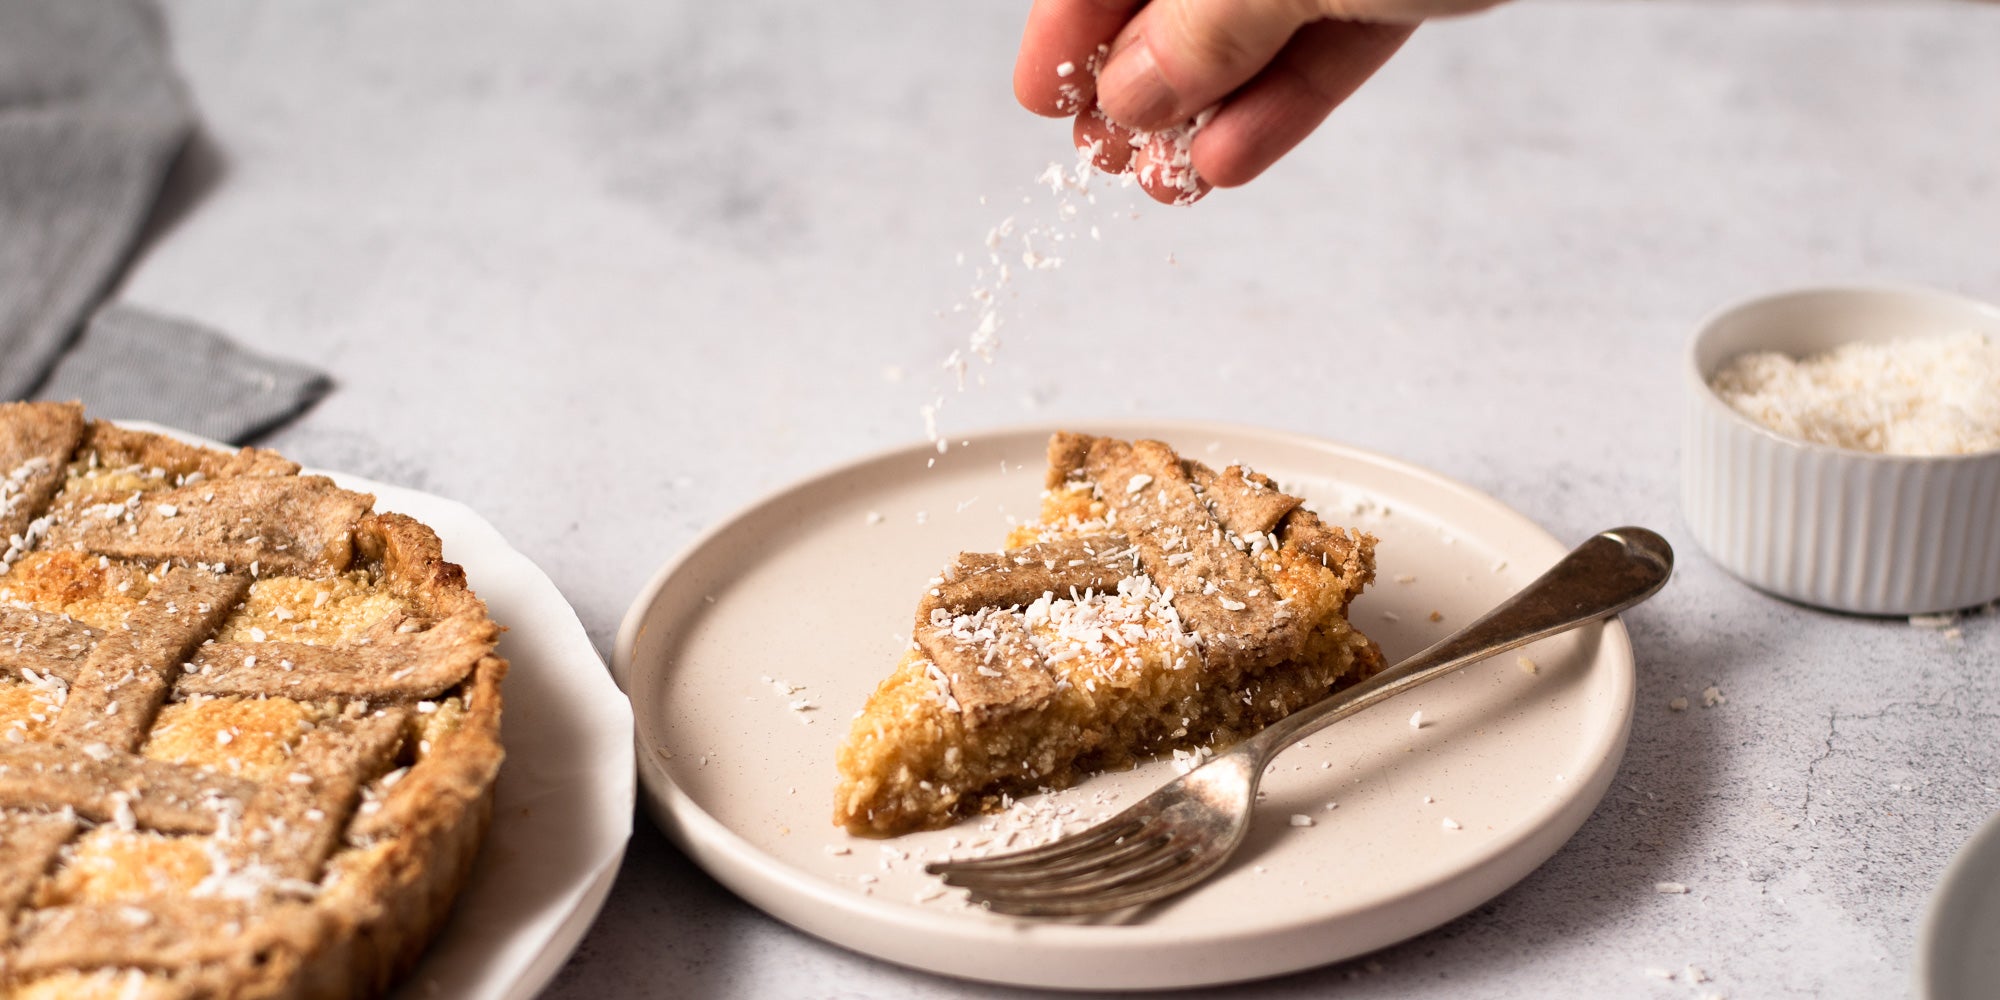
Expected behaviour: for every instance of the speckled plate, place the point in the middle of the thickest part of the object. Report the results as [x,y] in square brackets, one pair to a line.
[747,655]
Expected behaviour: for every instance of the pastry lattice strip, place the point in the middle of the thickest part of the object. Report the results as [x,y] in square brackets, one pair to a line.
[1178,522]
[390,665]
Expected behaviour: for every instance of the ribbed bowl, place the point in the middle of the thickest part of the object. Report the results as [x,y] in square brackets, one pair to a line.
[1846,530]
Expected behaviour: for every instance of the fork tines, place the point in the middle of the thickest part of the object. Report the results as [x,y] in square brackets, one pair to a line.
[1120,863]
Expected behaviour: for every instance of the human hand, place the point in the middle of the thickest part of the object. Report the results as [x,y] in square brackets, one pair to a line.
[1144,79]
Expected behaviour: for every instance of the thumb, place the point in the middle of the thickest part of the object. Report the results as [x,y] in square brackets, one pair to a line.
[1179,56]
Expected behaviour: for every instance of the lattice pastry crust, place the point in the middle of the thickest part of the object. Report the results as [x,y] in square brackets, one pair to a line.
[1158,606]
[248,727]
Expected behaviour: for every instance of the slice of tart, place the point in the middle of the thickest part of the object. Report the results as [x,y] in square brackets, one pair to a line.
[1157,606]
[249,727]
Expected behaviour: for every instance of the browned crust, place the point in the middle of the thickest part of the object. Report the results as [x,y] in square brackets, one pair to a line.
[117,445]
[444,813]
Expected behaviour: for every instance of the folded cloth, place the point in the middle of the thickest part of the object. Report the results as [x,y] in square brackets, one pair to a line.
[133,364]
[91,119]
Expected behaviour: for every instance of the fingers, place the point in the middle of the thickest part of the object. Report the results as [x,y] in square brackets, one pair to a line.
[1277,67]
[1162,163]
[1323,65]
[1059,34]
[1176,57]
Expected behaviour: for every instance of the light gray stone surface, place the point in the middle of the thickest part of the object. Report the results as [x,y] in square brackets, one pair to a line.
[607,272]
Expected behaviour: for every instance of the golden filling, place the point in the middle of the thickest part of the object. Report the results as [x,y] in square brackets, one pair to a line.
[90,482]
[26,711]
[109,865]
[100,984]
[435,723]
[252,738]
[1071,510]
[314,612]
[94,590]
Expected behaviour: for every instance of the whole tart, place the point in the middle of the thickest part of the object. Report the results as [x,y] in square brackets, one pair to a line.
[1158,606]
[249,728]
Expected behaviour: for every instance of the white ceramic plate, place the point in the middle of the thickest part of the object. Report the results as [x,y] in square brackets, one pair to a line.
[562,810]
[1958,957]
[815,588]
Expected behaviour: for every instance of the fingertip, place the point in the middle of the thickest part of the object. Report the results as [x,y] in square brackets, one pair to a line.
[1109,144]
[1059,45]
[1042,88]
[1167,176]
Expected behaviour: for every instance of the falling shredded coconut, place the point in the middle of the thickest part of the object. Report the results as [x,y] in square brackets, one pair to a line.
[1010,247]
[1935,395]
[1014,246]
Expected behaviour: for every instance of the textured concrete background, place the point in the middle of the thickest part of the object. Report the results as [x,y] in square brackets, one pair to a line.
[607,272]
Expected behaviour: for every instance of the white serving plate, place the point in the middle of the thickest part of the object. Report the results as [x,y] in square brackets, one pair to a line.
[810,589]
[562,810]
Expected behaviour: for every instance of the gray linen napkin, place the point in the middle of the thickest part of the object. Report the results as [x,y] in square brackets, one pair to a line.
[132,364]
[91,119]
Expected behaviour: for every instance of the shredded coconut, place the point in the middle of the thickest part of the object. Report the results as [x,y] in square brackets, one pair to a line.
[1932,395]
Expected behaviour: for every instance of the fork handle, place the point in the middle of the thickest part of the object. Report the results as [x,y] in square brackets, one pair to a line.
[1612,571]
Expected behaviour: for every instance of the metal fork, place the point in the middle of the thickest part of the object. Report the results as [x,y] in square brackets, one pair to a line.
[1183,832]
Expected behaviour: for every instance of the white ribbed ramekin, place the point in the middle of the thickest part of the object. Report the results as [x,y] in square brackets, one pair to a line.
[1847,530]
